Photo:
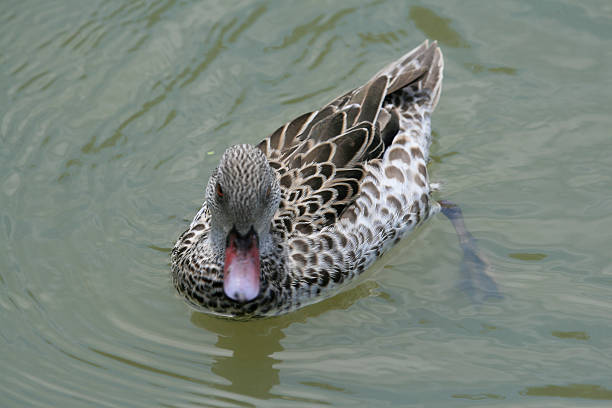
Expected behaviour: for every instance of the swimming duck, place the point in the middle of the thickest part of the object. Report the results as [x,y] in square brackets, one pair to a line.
[312,206]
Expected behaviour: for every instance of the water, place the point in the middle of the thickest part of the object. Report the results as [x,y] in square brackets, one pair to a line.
[113,113]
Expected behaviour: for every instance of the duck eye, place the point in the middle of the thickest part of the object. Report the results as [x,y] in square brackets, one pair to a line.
[218,190]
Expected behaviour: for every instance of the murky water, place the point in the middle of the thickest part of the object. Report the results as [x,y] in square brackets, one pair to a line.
[113,113]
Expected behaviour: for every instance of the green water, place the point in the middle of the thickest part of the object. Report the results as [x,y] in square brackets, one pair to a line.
[113,113]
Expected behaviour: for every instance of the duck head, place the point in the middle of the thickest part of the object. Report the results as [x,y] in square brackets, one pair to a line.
[243,194]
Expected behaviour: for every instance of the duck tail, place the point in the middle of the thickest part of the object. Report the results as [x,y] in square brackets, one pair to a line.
[414,90]
[416,77]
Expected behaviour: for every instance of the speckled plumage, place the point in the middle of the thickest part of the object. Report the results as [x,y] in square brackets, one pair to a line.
[327,193]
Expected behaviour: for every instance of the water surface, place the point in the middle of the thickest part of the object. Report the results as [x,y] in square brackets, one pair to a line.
[113,114]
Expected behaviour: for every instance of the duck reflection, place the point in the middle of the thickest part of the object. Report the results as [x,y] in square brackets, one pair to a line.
[252,369]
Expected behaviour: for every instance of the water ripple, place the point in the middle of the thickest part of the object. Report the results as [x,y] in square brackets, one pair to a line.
[113,114]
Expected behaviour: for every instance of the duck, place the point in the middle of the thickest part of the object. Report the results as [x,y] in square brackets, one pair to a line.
[293,219]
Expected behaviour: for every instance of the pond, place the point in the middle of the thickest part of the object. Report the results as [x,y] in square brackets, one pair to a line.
[113,114]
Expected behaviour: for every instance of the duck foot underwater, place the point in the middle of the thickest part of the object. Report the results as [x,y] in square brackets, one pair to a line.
[475,269]
[291,220]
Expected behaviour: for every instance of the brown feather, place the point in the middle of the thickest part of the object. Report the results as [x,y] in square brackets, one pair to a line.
[319,155]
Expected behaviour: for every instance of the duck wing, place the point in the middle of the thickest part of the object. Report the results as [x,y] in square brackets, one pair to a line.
[319,156]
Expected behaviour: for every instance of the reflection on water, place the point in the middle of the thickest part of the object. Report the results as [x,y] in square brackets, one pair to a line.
[113,113]
[576,335]
[251,367]
[436,27]
[478,397]
[586,391]
[440,28]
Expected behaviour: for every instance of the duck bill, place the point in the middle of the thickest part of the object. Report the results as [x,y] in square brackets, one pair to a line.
[241,270]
